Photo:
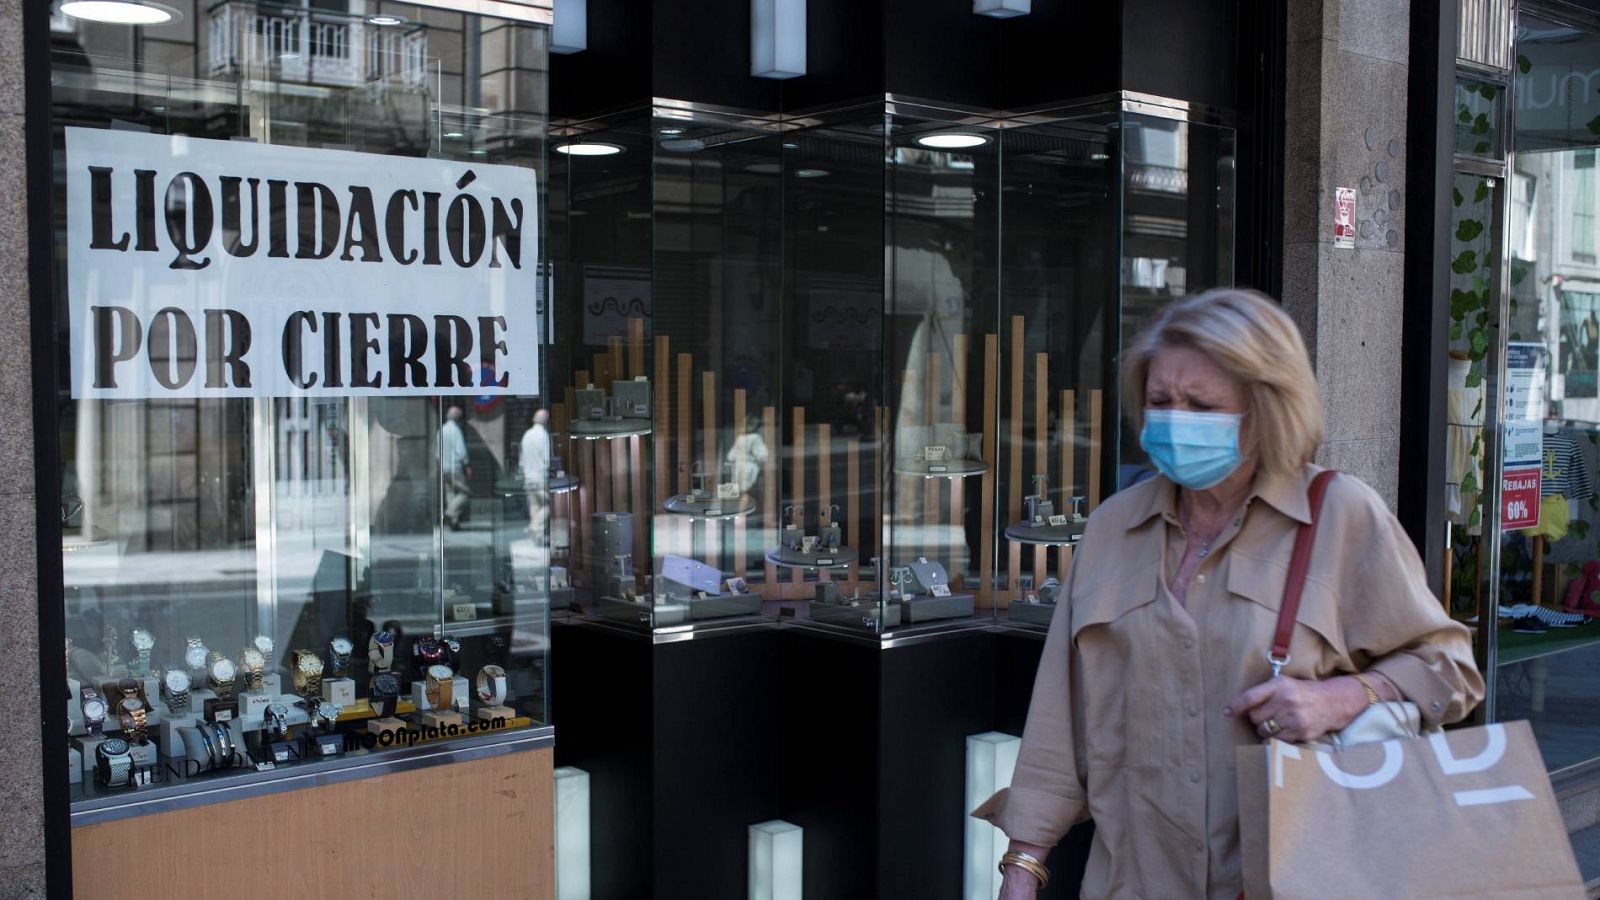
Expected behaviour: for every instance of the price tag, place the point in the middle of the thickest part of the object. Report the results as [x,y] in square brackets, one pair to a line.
[265,765]
[713,511]
[728,491]
[280,754]
[1519,498]
[935,470]
[222,715]
[1058,520]
[825,561]
[465,611]
[328,748]
[933,454]
[940,590]
[640,409]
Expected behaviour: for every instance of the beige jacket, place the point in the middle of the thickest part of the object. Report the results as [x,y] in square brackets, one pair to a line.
[1126,723]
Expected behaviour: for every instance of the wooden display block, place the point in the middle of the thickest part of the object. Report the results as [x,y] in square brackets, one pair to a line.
[490,713]
[434,718]
[386,724]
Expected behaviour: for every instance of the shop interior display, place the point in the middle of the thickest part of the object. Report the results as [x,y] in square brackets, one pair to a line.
[623,411]
[726,500]
[138,722]
[946,451]
[1041,525]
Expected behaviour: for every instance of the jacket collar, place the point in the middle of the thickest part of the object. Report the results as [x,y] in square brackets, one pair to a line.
[1285,492]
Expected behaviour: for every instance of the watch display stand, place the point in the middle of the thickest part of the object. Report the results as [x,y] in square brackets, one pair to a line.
[490,713]
[74,766]
[171,739]
[253,705]
[74,709]
[219,710]
[441,719]
[319,746]
[197,700]
[461,694]
[145,755]
[339,691]
[87,744]
[929,597]
[272,685]
[419,696]
[152,694]
[386,724]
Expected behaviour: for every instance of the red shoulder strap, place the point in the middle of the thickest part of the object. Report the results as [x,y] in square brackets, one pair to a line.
[1295,584]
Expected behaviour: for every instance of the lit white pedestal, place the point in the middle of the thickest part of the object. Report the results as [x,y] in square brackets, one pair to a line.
[991,758]
[776,854]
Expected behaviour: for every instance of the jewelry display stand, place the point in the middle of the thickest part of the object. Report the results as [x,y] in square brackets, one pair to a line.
[1038,613]
[441,719]
[86,746]
[171,739]
[75,724]
[861,611]
[74,766]
[489,713]
[253,705]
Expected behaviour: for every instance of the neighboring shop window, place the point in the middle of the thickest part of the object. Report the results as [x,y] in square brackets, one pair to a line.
[299,348]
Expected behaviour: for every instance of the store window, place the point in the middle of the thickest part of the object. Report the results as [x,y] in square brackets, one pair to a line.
[1526,550]
[299,331]
[871,351]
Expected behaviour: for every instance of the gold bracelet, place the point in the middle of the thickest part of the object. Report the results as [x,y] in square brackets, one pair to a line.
[1028,864]
[1372,696]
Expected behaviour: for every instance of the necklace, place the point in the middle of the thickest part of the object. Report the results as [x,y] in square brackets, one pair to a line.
[1185,520]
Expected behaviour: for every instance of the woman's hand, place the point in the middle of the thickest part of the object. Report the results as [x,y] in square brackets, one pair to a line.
[1293,710]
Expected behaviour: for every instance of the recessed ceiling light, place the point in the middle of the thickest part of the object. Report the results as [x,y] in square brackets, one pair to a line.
[670,132]
[810,173]
[581,148]
[952,141]
[453,135]
[683,145]
[791,145]
[478,151]
[384,19]
[121,12]
[1098,157]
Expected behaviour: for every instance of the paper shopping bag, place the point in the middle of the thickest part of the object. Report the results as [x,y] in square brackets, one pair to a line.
[1404,819]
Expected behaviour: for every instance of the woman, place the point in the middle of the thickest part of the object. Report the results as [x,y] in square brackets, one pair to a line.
[1156,668]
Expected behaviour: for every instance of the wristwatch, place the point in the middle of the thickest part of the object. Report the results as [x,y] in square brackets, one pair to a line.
[440,686]
[131,712]
[113,762]
[492,685]
[307,673]
[339,650]
[329,712]
[255,664]
[385,688]
[143,642]
[195,655]
[94,709]
[208,739]
[428,651]
[175,684]
[277,722]
[222,673]
[380,651]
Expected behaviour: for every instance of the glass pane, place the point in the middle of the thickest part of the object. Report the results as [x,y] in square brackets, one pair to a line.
[1477,131]
[1547,581]
[282,514]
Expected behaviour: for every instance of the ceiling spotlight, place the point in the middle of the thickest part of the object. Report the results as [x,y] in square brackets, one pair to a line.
[121,12]
[385,20]
[952,141]
[582,148]
[670,132]
[454,135]
[1099,157]
[810,173]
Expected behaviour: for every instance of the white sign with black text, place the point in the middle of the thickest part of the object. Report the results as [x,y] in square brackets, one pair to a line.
[202,268]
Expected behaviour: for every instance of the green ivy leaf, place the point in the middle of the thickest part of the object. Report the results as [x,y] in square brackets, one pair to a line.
[1478,338]
[1524,65]
[1594,125]
[1464,115]
[1580,528]
[1469,483]
[1455,331]
[1481,284]
[1483,318]
[1477,411]
[1475,518]
[1480,125]
[1481,148]
[1517,274]
[1488,90]
[1465,263]
[1456,196]
[1482,193]
[1468,229]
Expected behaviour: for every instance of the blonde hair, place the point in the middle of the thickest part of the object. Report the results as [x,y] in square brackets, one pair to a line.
[1255,342]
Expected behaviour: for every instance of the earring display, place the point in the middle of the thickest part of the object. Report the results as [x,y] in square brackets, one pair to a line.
[695,591]
[1036,607]
[862,608]
[722,501]
[939,451]
[624,413]
[924,594]
[1041,525]
[799,550]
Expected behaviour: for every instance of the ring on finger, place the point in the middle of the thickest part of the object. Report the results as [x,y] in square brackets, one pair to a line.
[1271,727]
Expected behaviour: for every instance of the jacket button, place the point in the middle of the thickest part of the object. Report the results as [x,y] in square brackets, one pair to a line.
[1435,706]
[1188,644]
[1194,777]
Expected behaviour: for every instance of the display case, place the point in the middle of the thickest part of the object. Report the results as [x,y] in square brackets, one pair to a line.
[880,342]
[298,537]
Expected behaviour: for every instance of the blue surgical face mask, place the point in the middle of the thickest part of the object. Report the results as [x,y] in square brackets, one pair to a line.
[1194,449]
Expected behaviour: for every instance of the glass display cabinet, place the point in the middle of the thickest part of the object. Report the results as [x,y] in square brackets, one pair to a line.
[266,579]
[855,368]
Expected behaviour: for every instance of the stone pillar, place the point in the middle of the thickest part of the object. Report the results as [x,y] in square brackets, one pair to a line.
[22,856]
[1345,126]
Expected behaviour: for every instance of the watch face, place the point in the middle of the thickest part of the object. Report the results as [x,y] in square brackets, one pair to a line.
[223,670]
[342,646]
[254,658]
[309,663]
[442,673]
[114,747]
[195,656]
[142,639]
[177,681]
[131,704]
[94,709]
[263,643]
[385,638]
[330,711]
[386,685]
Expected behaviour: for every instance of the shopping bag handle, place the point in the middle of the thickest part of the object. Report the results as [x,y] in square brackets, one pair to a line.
[1295,584]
